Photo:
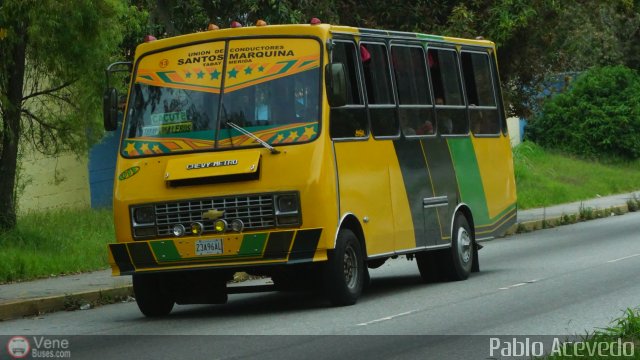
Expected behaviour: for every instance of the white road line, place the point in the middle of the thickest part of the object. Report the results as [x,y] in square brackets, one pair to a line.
[387,318]
[519,284]
[623,258]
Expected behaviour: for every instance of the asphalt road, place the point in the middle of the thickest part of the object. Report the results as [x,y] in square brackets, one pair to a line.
[561,281]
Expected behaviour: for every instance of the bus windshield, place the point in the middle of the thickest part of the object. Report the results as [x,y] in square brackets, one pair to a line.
[186,99]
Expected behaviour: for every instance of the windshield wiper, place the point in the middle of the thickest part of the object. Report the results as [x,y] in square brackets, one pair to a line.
[253,136]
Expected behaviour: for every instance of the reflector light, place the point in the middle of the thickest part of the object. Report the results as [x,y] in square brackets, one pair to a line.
[315,21]
[178,230]
[237,225]
[235,24]
[149,38]
[220,225]
[197,228]
[261,23]
[213,27]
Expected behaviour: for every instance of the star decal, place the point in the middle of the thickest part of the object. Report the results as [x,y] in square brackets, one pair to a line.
[292,136]
[145,148]
[261,68]
[309,132]
[233,73]
[247,71]
[156,149]
[200,74]
[188,75]
[215,74]
[130,149]
[278,138]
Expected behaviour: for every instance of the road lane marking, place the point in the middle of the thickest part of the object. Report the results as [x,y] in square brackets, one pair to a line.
[519,284]
[386,318]
[623,258]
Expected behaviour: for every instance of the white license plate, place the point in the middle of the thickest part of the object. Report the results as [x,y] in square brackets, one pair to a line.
[209,247]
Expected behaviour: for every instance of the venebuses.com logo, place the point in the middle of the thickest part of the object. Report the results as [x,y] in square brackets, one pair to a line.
[18,347]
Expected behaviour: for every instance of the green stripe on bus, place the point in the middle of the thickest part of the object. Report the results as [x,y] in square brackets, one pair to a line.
[252,244]
[430,37]
[469,179]
[165,250]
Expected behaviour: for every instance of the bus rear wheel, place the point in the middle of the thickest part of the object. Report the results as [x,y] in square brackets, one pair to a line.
[460,259]
[344,271]
[152,296]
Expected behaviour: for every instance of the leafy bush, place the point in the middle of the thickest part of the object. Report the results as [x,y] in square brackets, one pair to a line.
[598,117]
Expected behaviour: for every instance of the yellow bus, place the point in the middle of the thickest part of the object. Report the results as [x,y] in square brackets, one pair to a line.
[307,153]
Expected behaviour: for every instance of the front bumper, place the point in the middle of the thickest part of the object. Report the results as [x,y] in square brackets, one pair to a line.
[239,250]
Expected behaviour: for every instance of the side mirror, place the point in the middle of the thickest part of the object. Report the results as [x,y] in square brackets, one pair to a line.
[110,109]
[336,82]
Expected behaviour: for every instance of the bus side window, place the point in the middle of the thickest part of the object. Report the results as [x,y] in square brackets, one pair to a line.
[415,109]
[480,88]
[379,90]
[350,120]
[447,90]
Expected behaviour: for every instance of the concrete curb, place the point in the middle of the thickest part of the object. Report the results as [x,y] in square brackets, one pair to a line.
[34,306]
[565,219]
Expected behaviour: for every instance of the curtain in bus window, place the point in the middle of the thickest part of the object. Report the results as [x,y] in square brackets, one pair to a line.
[377,79]
[483,111]
[349,121]
[415,111]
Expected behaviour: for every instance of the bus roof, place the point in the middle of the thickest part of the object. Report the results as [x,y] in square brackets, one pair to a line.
[321,31]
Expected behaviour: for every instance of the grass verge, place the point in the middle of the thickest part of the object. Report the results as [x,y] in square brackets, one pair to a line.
[625,328]
[55,242]
[546,178]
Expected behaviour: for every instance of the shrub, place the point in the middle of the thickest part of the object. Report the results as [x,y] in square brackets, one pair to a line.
[598,117]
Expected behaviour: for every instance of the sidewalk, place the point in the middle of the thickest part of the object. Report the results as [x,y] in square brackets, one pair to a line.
[82,291]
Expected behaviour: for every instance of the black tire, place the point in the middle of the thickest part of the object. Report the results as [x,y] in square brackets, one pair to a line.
[344,271]
[152,296]
[430,265]
[461,257]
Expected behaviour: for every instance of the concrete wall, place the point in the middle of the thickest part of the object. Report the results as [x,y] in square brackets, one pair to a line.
[515,130]
[52,181]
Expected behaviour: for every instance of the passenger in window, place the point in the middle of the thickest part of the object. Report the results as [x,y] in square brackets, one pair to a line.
[406,128]
[425,129]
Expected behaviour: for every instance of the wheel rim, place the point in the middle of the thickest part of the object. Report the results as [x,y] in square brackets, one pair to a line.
[464,245]
[350,267]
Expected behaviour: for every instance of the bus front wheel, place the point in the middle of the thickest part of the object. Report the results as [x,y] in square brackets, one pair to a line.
[152,296]
[344,271]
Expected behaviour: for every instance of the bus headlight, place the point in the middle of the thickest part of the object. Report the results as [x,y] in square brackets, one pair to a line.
[144,215]
[288,209]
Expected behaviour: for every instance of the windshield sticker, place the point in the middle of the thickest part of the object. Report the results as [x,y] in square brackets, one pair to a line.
[200,67]
[279,135]
[168,118]
[167,129]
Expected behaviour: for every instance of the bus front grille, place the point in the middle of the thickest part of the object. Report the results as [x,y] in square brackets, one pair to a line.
[255,211]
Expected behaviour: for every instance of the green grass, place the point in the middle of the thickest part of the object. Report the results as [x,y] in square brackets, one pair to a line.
[545,177]
[54,243]
[625,328]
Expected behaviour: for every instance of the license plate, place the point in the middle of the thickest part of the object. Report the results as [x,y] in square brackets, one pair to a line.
[209,247]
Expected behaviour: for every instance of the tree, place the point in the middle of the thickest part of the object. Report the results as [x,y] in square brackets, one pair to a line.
[51,78]
[597,117]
